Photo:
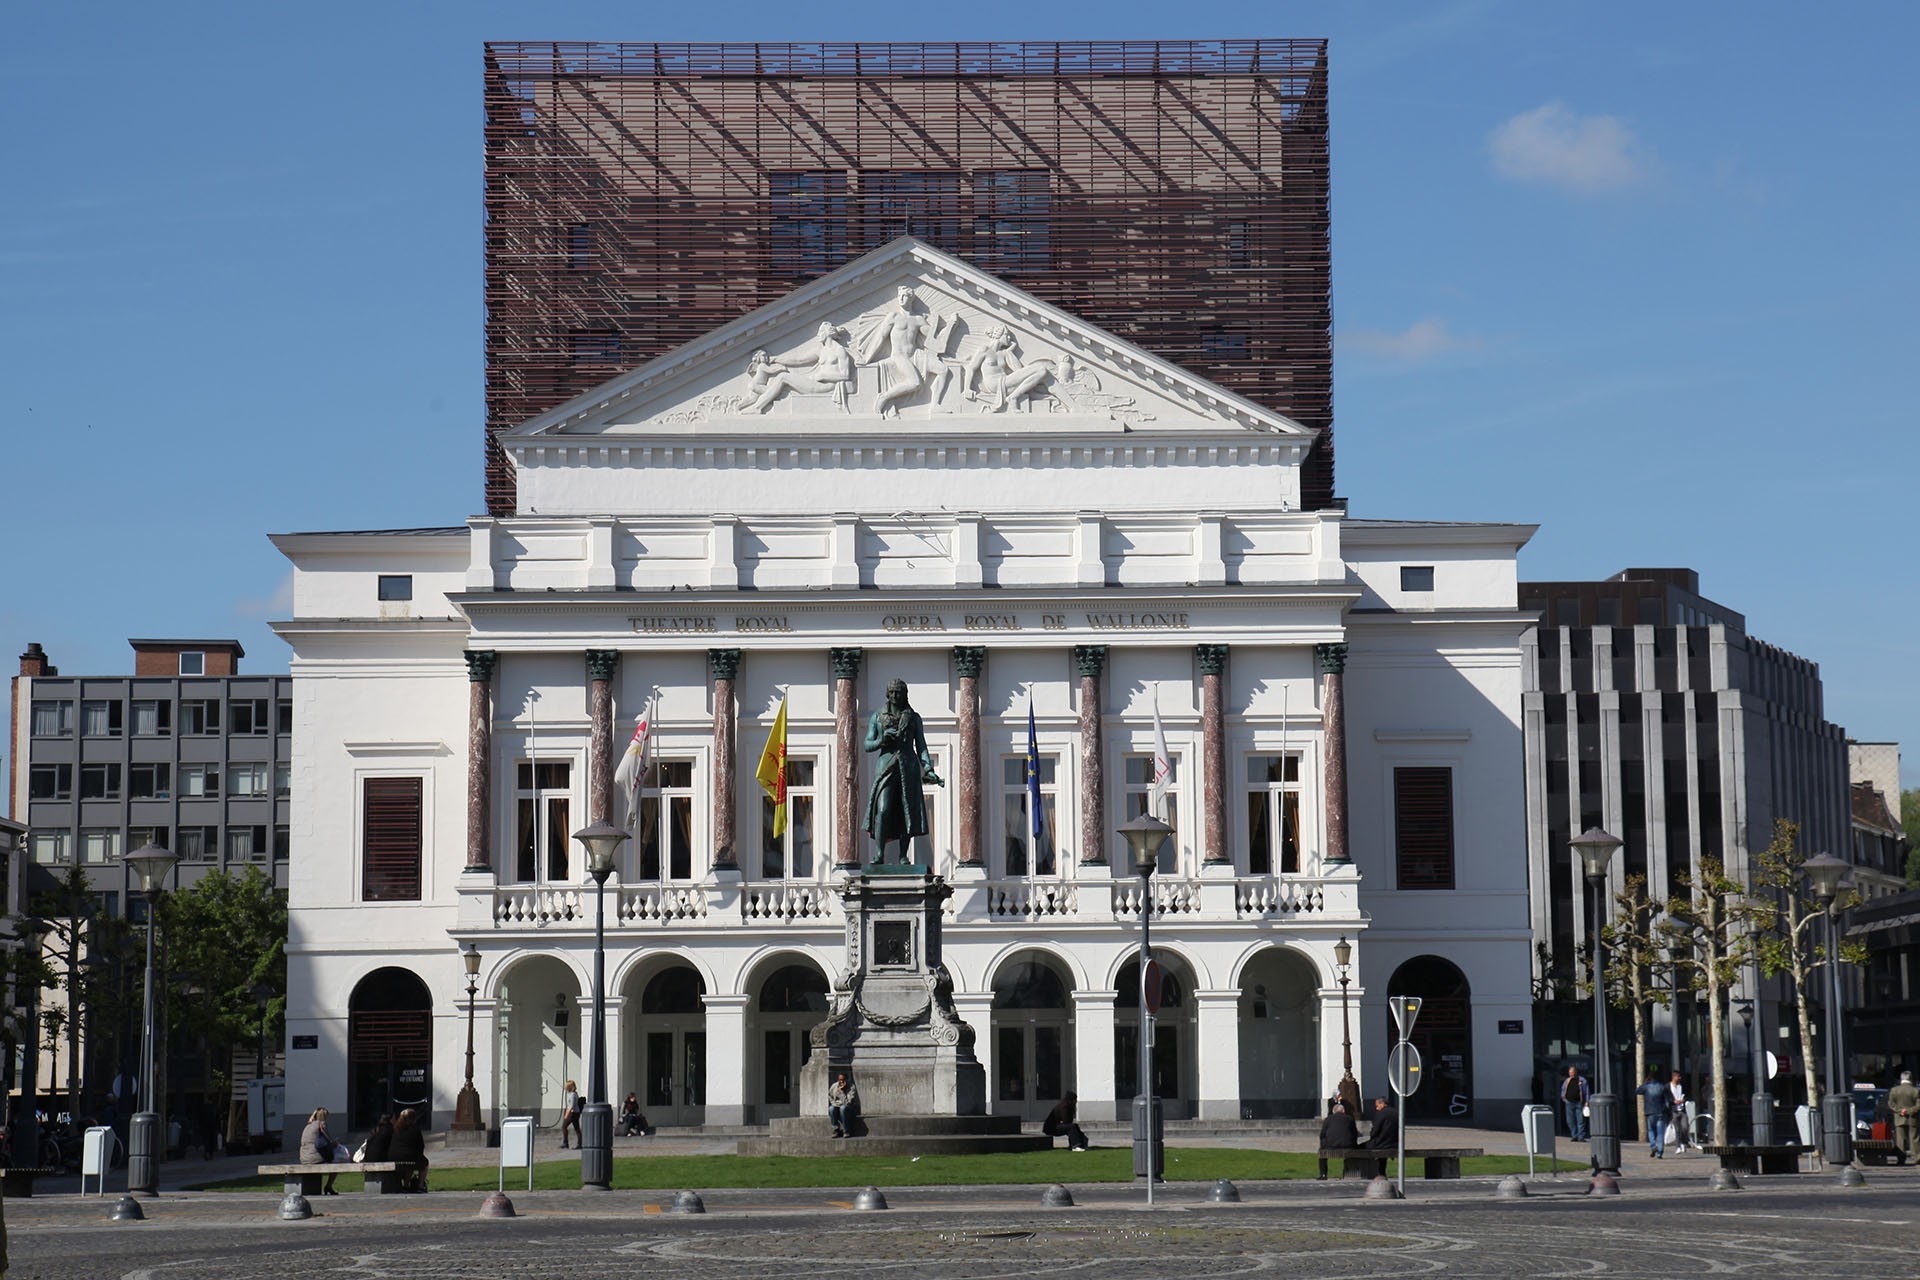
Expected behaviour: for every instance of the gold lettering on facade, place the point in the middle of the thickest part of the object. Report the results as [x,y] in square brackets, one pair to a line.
[992,622]
[762,624]
[1137,621]
[913,622]
[675,624]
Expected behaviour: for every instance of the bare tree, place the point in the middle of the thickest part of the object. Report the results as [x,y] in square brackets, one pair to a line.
[1713,922]
[1634,967]
[1787,945]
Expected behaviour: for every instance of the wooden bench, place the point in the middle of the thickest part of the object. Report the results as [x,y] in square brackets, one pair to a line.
[17,1183]
[1877,1151]
[383,1177]
[1441,1163]
[1780,1158]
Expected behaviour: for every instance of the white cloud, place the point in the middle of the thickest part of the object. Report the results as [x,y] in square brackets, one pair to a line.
[1421,340]
[1554,145]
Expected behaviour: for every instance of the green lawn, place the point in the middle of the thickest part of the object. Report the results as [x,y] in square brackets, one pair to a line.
[1102,1164]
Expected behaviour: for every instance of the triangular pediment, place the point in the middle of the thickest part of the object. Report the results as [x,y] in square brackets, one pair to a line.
[905,342]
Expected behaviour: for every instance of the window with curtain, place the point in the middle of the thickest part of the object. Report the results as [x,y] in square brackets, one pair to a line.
[1273,815]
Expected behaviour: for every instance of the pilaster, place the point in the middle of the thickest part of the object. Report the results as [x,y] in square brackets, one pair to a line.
[846,756]
[1213,739]
[1090,660]
[724,665]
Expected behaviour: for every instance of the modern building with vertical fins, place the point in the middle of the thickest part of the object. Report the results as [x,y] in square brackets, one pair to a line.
[997,370]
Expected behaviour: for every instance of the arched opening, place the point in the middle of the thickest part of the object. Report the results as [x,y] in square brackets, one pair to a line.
[540,1038]
[1279,1037]
[1032,1037]
[1443,1033]
[665,1043]
[389,1048]
[792,1000]
[1174,1064]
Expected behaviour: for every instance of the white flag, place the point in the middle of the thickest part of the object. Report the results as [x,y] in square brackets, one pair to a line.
[1162,766]
[633,765]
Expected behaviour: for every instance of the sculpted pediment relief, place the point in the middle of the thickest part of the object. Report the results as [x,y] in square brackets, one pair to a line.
[906,334]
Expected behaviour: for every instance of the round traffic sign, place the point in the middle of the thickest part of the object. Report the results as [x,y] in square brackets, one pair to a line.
[1403,1069]
[1156,985]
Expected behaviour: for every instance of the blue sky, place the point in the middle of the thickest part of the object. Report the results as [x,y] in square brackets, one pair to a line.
[1644,274]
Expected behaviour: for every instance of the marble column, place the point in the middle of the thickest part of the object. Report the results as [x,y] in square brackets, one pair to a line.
[1333,730]
[846,758]
[1213,740]
[970,849]
[479,757]
[725,665]
[1090,660]
[601,664]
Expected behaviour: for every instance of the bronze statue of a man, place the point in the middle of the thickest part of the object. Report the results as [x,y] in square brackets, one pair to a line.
[896,810]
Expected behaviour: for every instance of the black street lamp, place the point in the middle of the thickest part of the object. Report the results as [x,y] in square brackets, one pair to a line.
[466,1107]
[1826,873]
[152,864]
[596,1118]
[1145,836]
[1596,849]
[1349,1087]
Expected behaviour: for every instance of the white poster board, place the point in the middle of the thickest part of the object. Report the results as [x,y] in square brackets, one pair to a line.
[96,1152]
[516,1147]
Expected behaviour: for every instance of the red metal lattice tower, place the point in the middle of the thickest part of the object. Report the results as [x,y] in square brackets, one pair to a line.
[1175,193]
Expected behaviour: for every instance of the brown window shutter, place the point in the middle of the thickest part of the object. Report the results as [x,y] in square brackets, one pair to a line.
[390,849]
[1423,827]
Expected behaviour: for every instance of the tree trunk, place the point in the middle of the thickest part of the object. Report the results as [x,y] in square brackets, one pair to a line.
[1714,1004]
[1815,1082]
[1637,992]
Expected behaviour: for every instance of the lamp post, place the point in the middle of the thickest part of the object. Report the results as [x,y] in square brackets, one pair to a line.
[466,1107]
[33,933]
[1349,1087]
[1596,849]
[1145,835]
[1670,927]
[596,1119]
[1825,874]
[152,864]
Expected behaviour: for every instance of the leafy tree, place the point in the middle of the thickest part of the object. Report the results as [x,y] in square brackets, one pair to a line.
[225,935]
[69,909]
[1788,945]
[1634,968]
[1710,931]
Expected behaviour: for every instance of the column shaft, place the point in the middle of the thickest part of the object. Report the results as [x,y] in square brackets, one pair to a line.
[479,758]
[601,664]
[1091,660]
[846,764]
[725,664]
[1333,729]
[1213,734]
[970,850]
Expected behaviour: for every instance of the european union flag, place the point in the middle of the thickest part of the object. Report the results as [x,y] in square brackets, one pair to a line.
[1034,810]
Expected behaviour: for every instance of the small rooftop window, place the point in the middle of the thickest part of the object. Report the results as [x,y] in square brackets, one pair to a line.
[1416,577]
[396,586]
[193,663]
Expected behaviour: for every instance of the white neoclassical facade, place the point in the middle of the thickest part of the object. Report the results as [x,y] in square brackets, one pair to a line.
[908,469]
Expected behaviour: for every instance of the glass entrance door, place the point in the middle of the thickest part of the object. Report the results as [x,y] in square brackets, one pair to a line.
[780,1074]
[1030,1066]
[676,1076]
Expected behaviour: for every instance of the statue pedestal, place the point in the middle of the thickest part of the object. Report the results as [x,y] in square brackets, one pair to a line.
[893,1029]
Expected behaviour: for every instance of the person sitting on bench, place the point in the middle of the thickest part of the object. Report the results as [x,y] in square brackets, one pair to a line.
[1337,1132]
[1060,1122]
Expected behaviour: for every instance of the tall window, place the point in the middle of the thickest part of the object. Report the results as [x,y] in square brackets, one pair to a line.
[283,716]
[391,839]
[924,205]
[50,847]
[152,719]
[665,834]
[809,220]
[542,831]
[52,719]
[1138,784]
[150,781]
[199,781]
[199,844]
[50,782]
[99,782]
[100,719]
[1273,815]
[99,846]
[789,856]
[200,716]
[1010,219]
[248,716]
[1423,827]
[1027,853]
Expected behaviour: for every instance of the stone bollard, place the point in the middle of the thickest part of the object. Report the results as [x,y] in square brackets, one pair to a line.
[1382,1188]
[496,1205]
[294,1208]
[1723,1180]
[688,1202]
[1852,1177]
[1603,1184]
[1056,1197]
[126,1209]
[1223,1192]
[1512,1187]
[870,1199]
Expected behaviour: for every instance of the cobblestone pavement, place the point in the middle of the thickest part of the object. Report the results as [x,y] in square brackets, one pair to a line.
[1803,1228]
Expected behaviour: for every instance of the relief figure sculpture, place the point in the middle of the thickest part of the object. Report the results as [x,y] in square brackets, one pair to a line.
[1003,379]
[912,345]
[829,374]
[896,807]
